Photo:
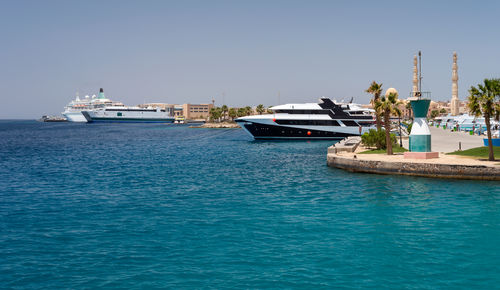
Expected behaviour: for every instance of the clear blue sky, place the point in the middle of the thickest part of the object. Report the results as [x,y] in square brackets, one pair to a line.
[191,51]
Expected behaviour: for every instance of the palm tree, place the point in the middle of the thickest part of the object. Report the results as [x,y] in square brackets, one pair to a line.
[220,114]
[260,109]
[233,113]
[385,106]
[376,90]
[248,110]
[242,112]
[408,107]
[213,114]
[224,110]
[482,102]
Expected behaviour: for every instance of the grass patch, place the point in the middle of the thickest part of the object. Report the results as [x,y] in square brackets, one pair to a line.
[479,152]
[395,149]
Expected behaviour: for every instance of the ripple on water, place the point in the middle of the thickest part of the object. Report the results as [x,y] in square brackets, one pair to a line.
[111,205]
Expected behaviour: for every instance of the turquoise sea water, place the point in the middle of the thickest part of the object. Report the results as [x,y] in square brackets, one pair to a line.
[166,206]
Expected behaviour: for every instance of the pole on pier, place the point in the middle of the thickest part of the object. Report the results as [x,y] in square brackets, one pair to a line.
[420,72]
[400,136]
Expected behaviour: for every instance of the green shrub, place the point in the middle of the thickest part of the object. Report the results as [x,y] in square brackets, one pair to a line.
[374,137]
[369,139]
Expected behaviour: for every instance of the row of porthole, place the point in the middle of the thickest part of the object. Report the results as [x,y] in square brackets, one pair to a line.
[300,132]
[309,133]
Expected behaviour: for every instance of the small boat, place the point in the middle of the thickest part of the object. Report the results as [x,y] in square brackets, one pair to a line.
[179,120]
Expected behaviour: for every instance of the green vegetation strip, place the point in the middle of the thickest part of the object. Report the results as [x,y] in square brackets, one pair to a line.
[395,149]
[480,152]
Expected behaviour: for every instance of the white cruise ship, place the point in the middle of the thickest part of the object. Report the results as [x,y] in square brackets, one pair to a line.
[73,111]
[130,114]
[325,120]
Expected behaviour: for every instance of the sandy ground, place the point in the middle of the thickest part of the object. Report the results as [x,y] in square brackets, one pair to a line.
[447,141]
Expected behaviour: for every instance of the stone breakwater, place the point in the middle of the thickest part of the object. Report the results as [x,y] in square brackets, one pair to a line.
[443,167]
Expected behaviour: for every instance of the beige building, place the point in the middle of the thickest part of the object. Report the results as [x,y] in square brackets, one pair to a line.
[178,111]
[196,111]
[189,111]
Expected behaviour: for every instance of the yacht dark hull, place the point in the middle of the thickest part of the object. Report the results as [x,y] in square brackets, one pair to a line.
[265,131]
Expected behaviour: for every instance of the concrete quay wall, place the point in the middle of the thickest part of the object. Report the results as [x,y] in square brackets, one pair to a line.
[478,172]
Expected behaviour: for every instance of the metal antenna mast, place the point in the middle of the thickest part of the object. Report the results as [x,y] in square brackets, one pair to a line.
[420,72]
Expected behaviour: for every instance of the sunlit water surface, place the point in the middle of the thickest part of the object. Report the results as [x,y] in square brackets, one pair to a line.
[155,205]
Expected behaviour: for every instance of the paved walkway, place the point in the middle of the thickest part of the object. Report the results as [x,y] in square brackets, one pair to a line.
[447,141]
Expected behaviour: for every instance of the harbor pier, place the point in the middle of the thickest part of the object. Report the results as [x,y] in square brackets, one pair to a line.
[445,166]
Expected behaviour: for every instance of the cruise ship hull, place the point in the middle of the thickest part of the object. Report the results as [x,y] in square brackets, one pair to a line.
[75,117]
[126,117]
